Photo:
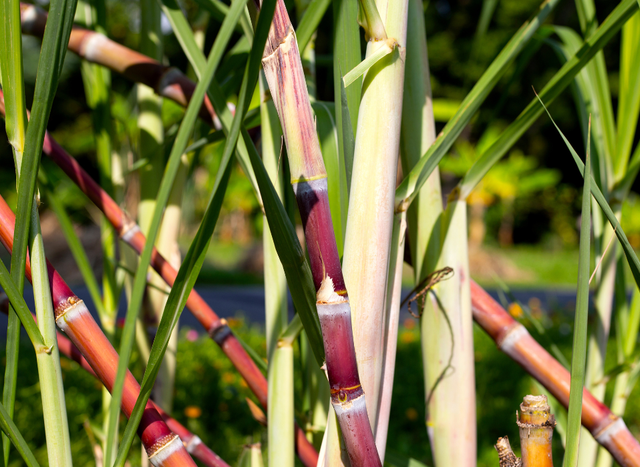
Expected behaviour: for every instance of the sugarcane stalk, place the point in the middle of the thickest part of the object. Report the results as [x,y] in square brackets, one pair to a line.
[49,372]
[192,442]
[535,424]
[447,331]
[513,339]
[72,317]
[371,200]
[97,48]
[426,234]
[280,357]
[283,70]
[216,327]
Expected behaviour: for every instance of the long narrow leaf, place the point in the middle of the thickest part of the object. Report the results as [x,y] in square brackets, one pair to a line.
[556,85]
[173,165]
[11,430]
[310,21]
[632,259]
[20,306]
[194,259]
[579,354]
[412,183]
[11,75]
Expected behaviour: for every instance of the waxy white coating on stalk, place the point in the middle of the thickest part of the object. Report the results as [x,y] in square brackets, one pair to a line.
[338,309]
[164,452]
[129,232]
[92,48]
[193,443]
[69,314]
[607,434]
[354,405]
[511,339]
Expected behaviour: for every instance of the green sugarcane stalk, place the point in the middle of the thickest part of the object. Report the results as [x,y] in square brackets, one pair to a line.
[280,406]
[50,374]
[366,259]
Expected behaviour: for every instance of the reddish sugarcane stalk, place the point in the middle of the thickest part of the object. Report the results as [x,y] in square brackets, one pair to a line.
[193,443]
[163,447]
[94,47]
[284,73]
[513,339]
[216,327]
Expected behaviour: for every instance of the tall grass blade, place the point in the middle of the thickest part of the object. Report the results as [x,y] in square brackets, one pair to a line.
[629,89]
[310,21]
[630,254]
[280,357]
[173,165]
[20,307]
[11,76]
[194,259]
[579,353]
[346,55]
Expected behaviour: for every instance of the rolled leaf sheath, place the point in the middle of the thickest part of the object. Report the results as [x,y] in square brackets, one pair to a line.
[130,233]
[97,48]
[163,447]
[513,339]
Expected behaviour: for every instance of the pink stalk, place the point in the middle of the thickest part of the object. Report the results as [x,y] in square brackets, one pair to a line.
[217,327]
[513,339]
[284,73]
[192,442]
[94,47]
[163,447]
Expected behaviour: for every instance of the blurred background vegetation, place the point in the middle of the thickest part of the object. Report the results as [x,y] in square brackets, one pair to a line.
[523,218]
[509,217]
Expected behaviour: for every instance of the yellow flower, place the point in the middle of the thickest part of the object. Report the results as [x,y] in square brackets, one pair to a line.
[515,310]
[192,411]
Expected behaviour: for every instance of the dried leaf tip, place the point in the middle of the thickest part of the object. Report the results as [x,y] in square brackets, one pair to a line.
[506,455]
[326,293]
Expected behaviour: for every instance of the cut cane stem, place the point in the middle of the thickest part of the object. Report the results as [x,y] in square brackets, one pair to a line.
[513,339]
[284,73]
[536,424]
